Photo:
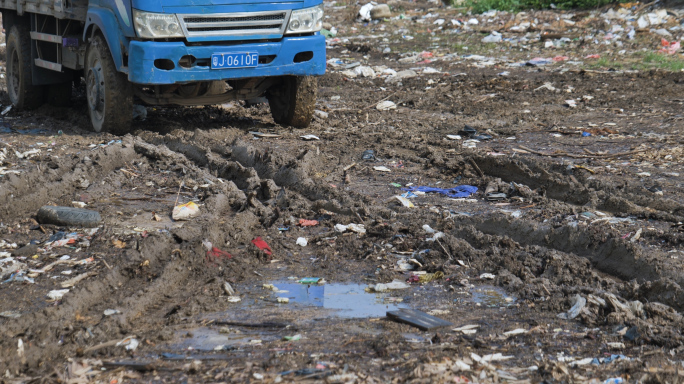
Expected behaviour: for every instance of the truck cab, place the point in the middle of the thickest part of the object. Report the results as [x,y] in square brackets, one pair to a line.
[161,52]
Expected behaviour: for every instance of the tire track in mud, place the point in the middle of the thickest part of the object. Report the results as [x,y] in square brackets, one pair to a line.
[245,202]
[172,262]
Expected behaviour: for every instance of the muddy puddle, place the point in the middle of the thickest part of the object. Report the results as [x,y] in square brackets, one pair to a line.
[342,300]
[206,339]
[490,296]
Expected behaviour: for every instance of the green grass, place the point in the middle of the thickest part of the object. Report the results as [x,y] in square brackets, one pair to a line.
[641,61]
[479,6]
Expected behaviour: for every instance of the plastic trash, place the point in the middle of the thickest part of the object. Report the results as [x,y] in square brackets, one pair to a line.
[385,105]
[68,216]
[487,276]
[301,241]
[578,303]
[57,294]
[262,245]
[309,280]
[456,192]
[382,169]
[404,201]
[131,344]
[394,285]
[368,154]
[365,12]
[309,137]
[669,48]
[185,211]
[380,11]
[614,380]
[358,228]
[307,223]
[495,37]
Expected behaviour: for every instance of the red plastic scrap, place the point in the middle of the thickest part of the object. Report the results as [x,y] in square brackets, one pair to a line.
[307,223]
[594,56]
[669,47]
[217,253]
[560,58]
[261,244]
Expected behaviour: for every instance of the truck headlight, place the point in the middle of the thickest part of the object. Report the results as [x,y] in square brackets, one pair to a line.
[156,25]
[305,20]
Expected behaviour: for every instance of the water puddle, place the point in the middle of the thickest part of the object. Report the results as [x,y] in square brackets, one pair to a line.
[346,300]
[220,339]
[490,296]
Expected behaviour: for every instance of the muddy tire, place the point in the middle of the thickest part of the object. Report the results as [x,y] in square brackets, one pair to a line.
[67,216]
[59,95]
[109,94]
[22,93]
[292,101]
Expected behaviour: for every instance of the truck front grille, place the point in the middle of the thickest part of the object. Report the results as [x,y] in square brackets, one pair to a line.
[238,25]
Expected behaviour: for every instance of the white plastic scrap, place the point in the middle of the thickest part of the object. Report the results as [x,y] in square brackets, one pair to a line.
[109,312]
[365,12]
[57,294]
[514,332]
[404,201]
[358,228]
[396,284]
[487,276]
[467,329]
[130,343]
[382,169]
[579,303]
[309,137]
[301,241]
[385,105]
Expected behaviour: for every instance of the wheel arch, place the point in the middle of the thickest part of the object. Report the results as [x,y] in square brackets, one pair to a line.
[103,21]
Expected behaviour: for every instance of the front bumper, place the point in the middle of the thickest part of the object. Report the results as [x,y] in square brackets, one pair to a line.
[143,55]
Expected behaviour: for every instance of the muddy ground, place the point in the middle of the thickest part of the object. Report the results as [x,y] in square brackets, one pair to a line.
[597,216]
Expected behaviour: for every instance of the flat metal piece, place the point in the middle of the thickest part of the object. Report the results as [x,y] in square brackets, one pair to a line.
[48,65]
[418,319]
[46,37]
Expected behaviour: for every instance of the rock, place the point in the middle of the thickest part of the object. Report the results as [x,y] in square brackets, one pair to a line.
[380,11]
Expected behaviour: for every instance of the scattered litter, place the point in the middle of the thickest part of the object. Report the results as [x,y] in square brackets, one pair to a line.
[385,105]
[578,303]
[455,192]
[418,319]
[261,244]
[382,169]
[265,135]
[57,294]
[68,216]
[467,329]
[309,137]
[394,285]
[404,201]
[307,223]
[487,276]
[110,312]
[301,241]
[130,343]
[185,211]
[358,228]
[310,280]
[283,300]
[514,332]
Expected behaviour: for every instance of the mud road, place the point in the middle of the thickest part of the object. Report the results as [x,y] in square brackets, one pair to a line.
[559,219]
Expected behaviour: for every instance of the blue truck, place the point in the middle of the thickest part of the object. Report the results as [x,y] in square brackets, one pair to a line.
[164,52]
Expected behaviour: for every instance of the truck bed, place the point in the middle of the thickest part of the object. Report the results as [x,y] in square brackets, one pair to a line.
[61,9]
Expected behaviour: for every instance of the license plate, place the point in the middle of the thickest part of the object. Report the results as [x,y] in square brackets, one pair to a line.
[234,60]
